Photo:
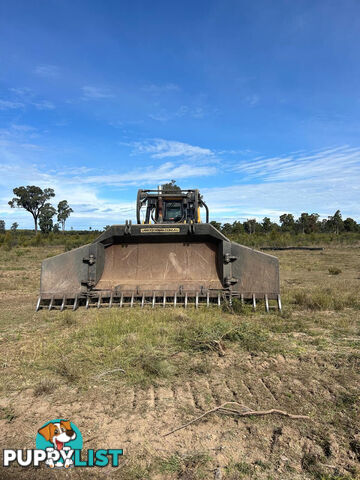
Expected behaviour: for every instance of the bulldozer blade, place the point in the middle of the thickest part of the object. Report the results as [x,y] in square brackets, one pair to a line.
[159,265]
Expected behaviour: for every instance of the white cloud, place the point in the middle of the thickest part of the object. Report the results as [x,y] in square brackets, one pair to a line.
[161,88]
[160,148]
[47,70]
[91,92]
[23,97]
[320,181]
[333,164]
[252,99]
[164,115]
[44,105]
[150,175]
[10,105]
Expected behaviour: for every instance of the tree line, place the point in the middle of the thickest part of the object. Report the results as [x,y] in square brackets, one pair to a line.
[306,223]
[36,201]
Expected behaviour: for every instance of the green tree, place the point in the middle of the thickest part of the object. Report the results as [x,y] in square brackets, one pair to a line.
[336,223]
[267,225]
[250,226]
[46,218]
[308,223]
[32,199]
[237,227]
[171,187]
[350,225]
[14,227]
[63,212]
[106,227]
[217,225]
[2,226]
[287,222]
[226,229]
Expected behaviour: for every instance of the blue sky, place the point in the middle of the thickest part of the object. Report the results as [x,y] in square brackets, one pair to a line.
[254,102]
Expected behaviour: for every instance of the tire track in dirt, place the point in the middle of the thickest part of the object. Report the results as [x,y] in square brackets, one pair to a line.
[164,398]
[267,391]
[217,391]
[232,389]
[185,396]
[151,398]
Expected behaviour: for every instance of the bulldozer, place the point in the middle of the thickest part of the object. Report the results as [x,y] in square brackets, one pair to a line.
[169,257]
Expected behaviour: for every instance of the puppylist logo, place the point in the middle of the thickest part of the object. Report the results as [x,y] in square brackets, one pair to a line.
[59,445]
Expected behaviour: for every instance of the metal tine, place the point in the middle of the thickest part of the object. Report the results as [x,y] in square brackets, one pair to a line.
[164,300]
[75,302]
[242,299]
[132,300]
[87,302]
[143,300]
[254,301]
[63,304]
[111,300]
[51,302]
[197,300]
[279,303]
[38,304]
[266,303]
[207,299]
[175,299]
[99,301]
[153,300]
[186,300]
[121,300]
[219,300]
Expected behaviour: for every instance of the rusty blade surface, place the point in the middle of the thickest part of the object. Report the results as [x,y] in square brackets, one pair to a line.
[160,266]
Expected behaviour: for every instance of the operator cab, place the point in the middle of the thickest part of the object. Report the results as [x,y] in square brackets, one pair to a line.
[163,206]
[173,212]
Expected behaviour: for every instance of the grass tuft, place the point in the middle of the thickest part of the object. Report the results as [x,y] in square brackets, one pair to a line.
[334,271]
[44,387]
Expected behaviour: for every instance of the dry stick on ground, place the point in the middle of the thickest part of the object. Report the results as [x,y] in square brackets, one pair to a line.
[246,413]
[109,371]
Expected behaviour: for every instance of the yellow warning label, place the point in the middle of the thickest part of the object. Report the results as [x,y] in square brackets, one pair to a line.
[160,230]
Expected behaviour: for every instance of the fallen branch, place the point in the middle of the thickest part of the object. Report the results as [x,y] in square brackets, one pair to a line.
[245,413]
[110,371]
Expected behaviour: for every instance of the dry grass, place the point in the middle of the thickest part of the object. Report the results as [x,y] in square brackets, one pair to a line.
[142,372]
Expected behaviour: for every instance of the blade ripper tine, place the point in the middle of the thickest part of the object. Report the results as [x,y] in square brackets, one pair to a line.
[111,300]
[175,298]
[153,300]
[75,302]
[186,299]
[266,303]
[197,300]
[143,300]
[51,302]
[121,300]
[164,300]
[132,300]
[207,299]
[254,301]
[63,303]
[219,300]
[87,302]
[279,302]
[99,301]
[38,304]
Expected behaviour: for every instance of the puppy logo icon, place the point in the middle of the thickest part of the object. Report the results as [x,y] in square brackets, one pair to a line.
[59,438]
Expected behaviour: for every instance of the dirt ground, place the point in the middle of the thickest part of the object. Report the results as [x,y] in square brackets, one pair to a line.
[126,378]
